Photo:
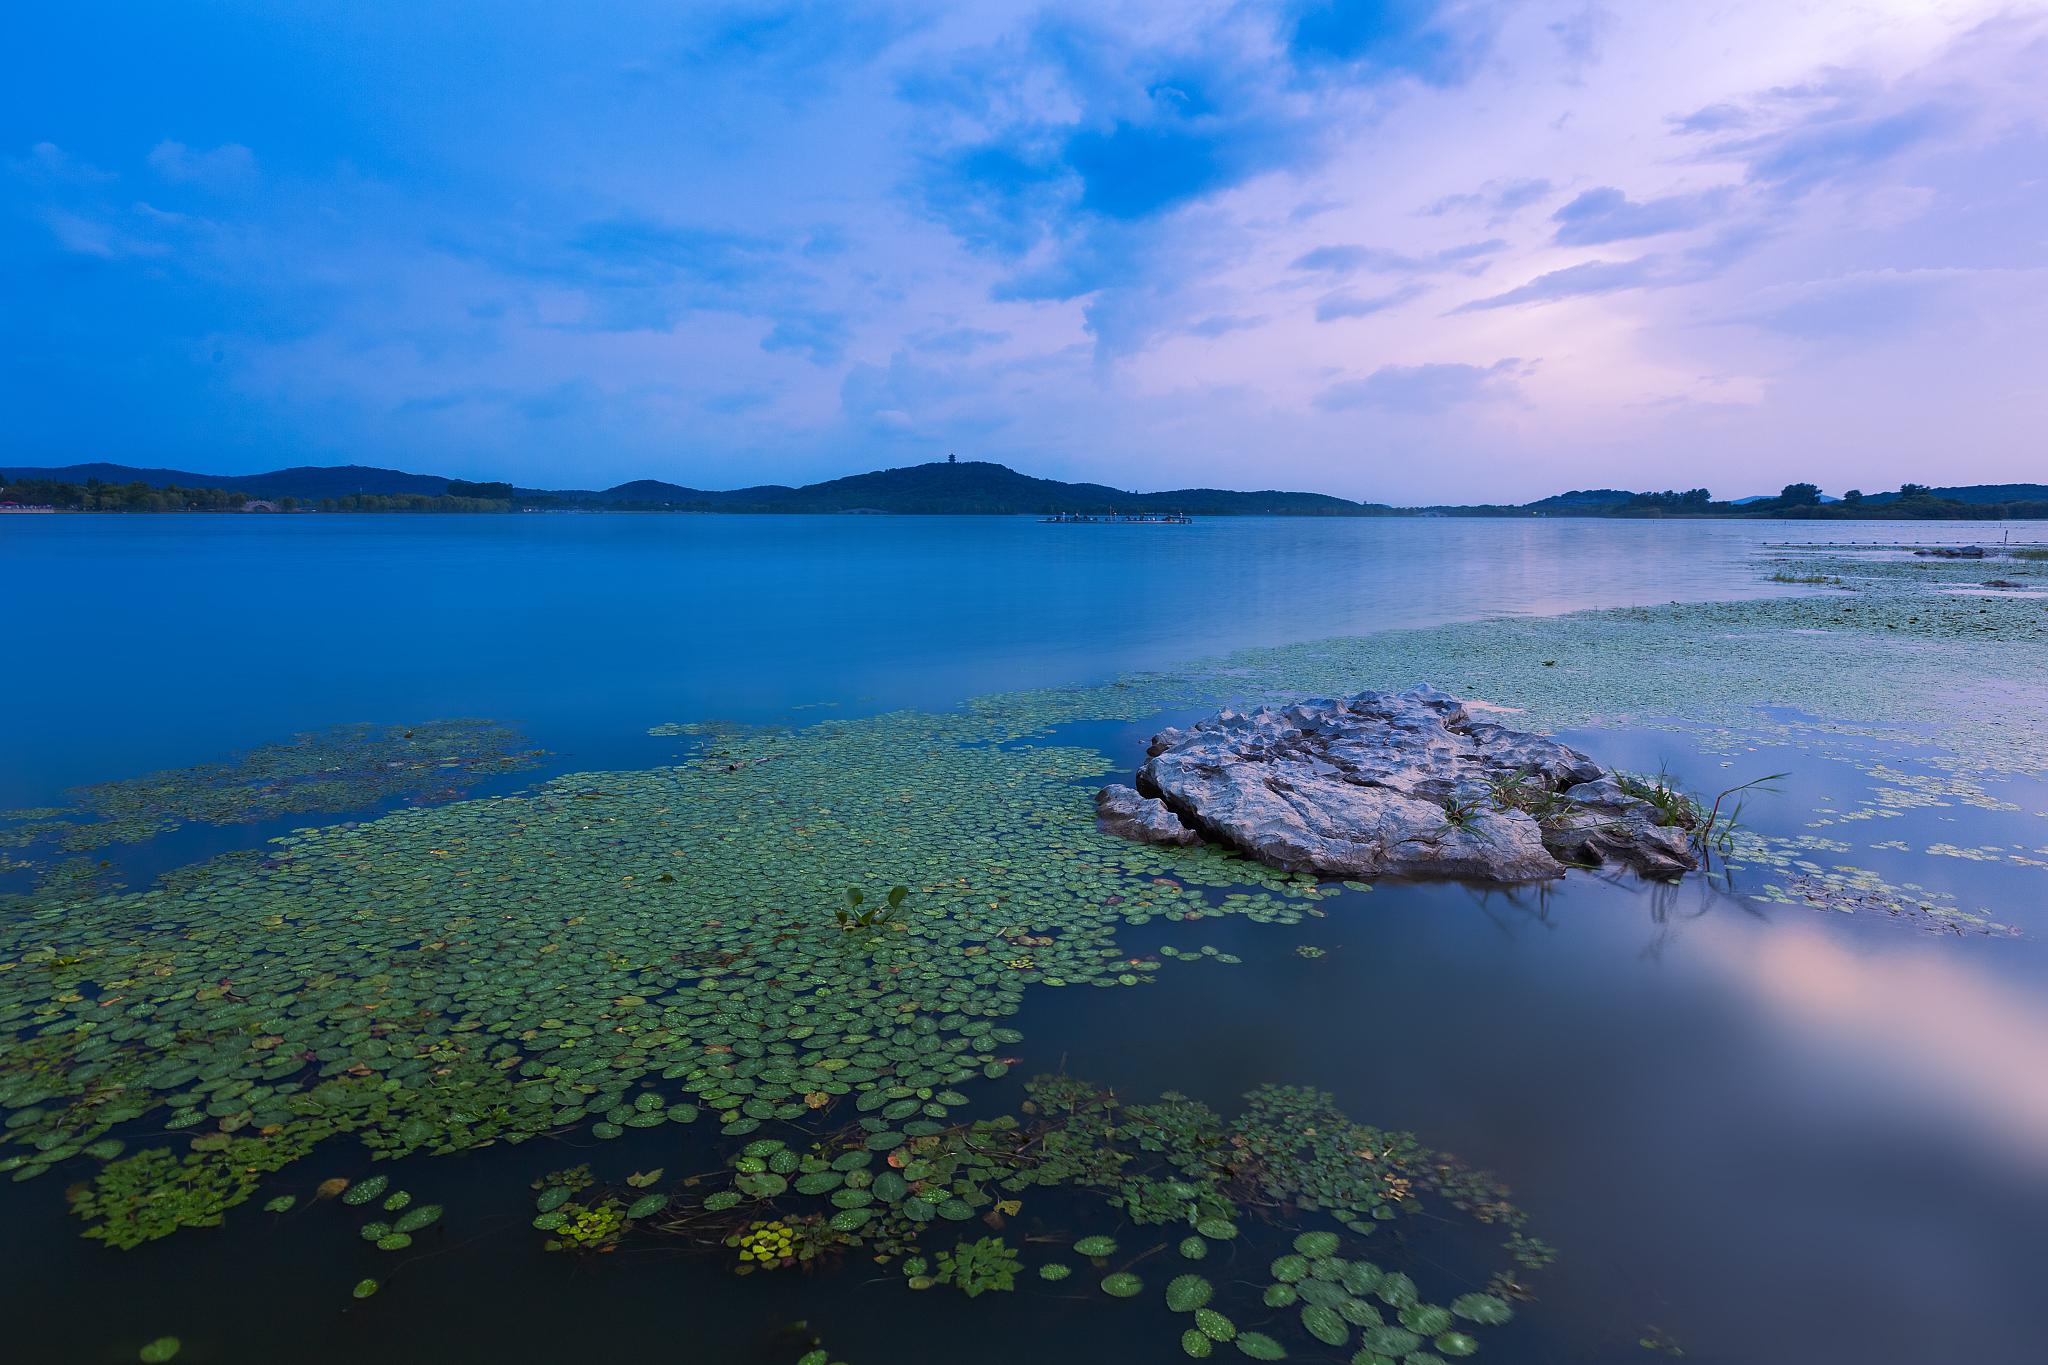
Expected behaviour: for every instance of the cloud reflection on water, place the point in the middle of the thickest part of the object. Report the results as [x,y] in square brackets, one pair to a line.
[1946,1032]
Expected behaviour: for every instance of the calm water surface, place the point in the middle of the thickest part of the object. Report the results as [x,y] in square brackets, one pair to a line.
[141,642]
[1775,1135]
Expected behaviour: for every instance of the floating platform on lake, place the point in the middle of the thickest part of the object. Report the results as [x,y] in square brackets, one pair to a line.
[1118,519]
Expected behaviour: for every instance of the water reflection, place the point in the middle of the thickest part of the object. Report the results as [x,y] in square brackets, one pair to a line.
[589,629]
[1950,1032]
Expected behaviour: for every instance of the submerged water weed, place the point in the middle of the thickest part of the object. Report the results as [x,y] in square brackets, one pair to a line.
[342,768]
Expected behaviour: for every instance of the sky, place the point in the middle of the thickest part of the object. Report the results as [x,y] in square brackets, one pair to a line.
[1398,250]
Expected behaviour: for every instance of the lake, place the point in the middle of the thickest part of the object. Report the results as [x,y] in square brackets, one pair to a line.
[1790,1109]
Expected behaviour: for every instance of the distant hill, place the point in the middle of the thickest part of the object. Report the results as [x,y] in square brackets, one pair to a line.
[311,482]
[969,486]
[1587,498]
[1978,493]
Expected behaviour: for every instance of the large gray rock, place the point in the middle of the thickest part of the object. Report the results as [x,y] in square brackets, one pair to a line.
[1382,784]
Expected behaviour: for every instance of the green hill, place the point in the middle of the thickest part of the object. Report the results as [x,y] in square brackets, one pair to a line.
[1978,494]
[969,486]
[306,482]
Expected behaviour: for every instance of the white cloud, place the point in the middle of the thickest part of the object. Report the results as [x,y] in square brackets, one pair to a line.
[224,166]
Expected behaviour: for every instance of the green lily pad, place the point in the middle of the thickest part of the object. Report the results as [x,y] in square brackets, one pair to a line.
[426,1215]
[1325,1325]
[1259,1346]
[1122,1285]
[1186,1293]
[1315,1244]
[1486,1309]
[1426,1319]
[1390,1340]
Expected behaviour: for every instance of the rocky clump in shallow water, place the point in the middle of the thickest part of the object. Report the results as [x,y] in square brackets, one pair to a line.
[1392,785]
[1130,814]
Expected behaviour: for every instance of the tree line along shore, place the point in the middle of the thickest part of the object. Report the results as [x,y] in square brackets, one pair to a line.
[948,488]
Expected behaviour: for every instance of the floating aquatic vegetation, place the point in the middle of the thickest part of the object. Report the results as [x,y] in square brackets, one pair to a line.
[162,1349]
[1290,1154]
[1186,1293]
[155,1192]
[976,1267]
[425,1216]
[487,971]
[1259,1346]
[364,1288]
[342,768]
[591,1228]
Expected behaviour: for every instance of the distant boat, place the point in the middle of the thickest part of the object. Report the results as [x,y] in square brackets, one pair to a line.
[1118,519]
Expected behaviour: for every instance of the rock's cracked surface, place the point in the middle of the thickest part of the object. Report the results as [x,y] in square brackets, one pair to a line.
[1384,784]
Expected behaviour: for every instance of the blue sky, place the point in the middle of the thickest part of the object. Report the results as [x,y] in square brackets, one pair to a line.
[1395,249]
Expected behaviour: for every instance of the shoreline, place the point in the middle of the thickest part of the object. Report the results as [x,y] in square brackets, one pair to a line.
[2030,519]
